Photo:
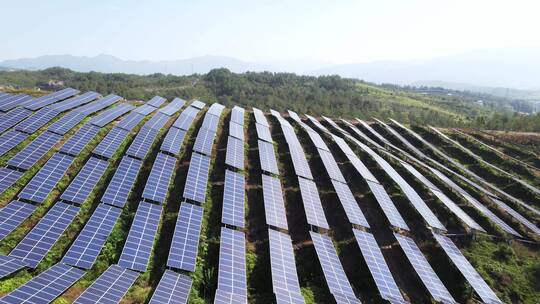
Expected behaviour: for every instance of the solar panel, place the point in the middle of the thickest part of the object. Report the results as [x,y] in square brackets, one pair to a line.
[520,218]
[13,101]
[235,153]
[342,144]
[12,216]
[430,218]
[210,122]
[140,240]
[110,115]
[260,118]
[333,271]
[312,203]
[74,102]
[76,143]
[88,244]
[232,262]
[346,197]
[216,109]
[288,297]
[420,264]
[267,157]
[8,177]
[46,179]
[190,111]
[172,288]
[130,121]
[10,140]
[331,166]
[185,120]
[110,287]
[198,104]
[173,141]
[122,182]
[13,117]
[387,206]
[144,109]
[157,121]
[478,284]
[224,297]
[237,115]
[157,184]
[37,243]
[156,101]
[274,205]
[27,157]
[300,164]
[316,139]
[46,287]
[294,116]
[204,141]
[142,143]
[317,123]
[283,267]
[457,210]
[173,107]
[377,266]
[37,120]
[66,123]
[233,199]
[197,178]
[46,100]
[9,265]
[185,243]
[263,133]
[236,131]
[110,144]
[86,180]
[99,104]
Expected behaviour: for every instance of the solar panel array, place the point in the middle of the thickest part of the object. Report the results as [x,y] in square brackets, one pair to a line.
[173,107]
[388,207]
[140,147]
[172,288]
[66,123]
[377,266]
[157,121]
[462,264]
[198,104]
[263,132]
[274,205]
[260,118]
[74,102]
[99,104]
[204,141]
[173,141]
[140,240]
[267,157]
[46,100]
[156,101]
[300,163]
[41,185]
[8,177]
[10,140]
[197,178]
[518,217]
[237,115]
[120,186]
[86,180]
[12,216]
[13,117]
[37,120]
[37,243]
[236,130]
[233,199]
[186,118]
[8,102]
[185,243]
[347,200]
[110,115]
[110,287]
[28,156]
[232,263]
[235,153]
[45,287]
[331,165]
[144,109]
[110,144]
[130,121]
[9,265]
[157,184]
[76,143]
[312,203]
[88,244]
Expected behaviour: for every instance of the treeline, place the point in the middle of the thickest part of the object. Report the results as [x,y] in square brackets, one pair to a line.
[325,95]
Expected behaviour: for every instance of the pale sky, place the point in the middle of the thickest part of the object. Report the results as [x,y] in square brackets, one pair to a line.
[332,31]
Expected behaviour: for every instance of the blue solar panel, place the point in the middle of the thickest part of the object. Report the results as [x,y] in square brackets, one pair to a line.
[157,184]
[173,141]
[283,268]
[204,141]
[85,181]
[66,123]
[13,117]
[210,122]
[312,203]
[185,243]
[112,141]
[99,104]
[173,107]
[347,200]
[185,119]
[274,206]
[8,177]
[130,121]
[216,109]
[235,153]
[140,240]
[37,120]
[197,178]
[198,104]
[46,287]
[46,100]
[41,185]
[110,115]
[236,130]
[233,199]
[260,118]
[32,153]
[76,143]
[172,288]
[37,243]
[88,244]
[9,265]
[263,133]
[299,160]
[144,109]
[122,182]
[156,101]
[387,206]
[157,121]
[237,115]
[12,216]
[331,166]
[74,102]
[13,101]
[232,263]
[267,157]
[110,287]
[142,143]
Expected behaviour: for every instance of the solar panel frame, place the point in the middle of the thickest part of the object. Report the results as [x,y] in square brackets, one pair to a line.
[41,185]
[156,101]
[37,120]
[312,203]
[233,199]
[172,288]
[110,115]
[130,121]
[86,180]
[236,130]
[46,286]
[76,143]
[141,145]
[204,141]
[185,243]
[108,146]
[173,141]
[347,200]
[197,178]
[122,182]
[13,215]
[263,133]
[109,287]
[87,246]
[34,151]
[232,276]
[37,243]
[387,206]
[274,205]
[8,177]
[157,184]
[9,265]
[140,240]
[234,156]
[267,157]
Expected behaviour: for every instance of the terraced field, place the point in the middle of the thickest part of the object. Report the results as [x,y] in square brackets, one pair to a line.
[105,200]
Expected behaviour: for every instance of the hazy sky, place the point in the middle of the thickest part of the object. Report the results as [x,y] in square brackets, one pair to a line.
[333,31]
